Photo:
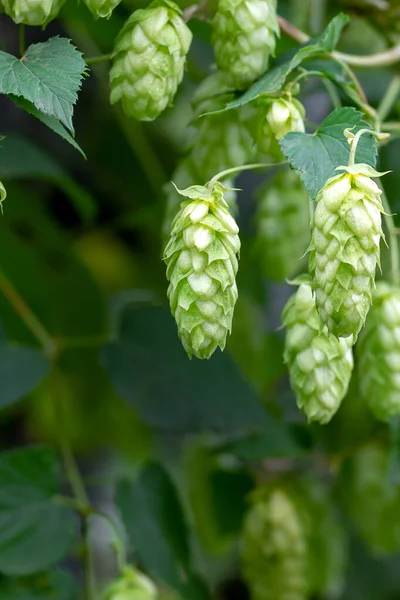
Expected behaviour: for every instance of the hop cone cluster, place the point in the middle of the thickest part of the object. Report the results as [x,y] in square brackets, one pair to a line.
[132,586]
[201,268]
[244,33]
[320,365]
[274,550]
[345,248]
[281,117]
[32,12]
[379,353]
[102,8]
[149,59]
[283,225]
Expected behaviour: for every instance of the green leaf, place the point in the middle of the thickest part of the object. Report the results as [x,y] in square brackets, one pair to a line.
[36,530]
[57,585]
[49,75]
[316,156]
[274,442]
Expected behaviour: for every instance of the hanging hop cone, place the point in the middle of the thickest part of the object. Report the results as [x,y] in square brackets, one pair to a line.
[132,586]
[274,549]
[283,225]
[101,8]
[201,268]
[320,365]
[280,117]
[149,60]
[379,353]
[32,12]
[345,248]
[244,37]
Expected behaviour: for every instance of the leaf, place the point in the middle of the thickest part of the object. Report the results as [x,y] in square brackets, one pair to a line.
[36,531]
[197,391]
[49,121]
[57,585]
[316,156]
[49,75]
[274,442]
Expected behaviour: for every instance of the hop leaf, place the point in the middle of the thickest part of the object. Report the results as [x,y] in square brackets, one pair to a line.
[149,59]
[274,550]
[244,33]
[379,353]
[201,267]
[345,248]
[283,225]
[320,365]
[32,12]
[281,117]
[132,586]
[102,8]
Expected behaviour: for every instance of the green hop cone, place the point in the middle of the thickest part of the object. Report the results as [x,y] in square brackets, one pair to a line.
[280,117]
[244,38]
[345,248]
[101,8]
[283,226]
[320,365]
[32,12]
[149,60]
[132,586]
[379,353]
[274,549]
[201,268]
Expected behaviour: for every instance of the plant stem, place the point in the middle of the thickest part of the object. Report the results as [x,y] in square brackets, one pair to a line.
[390,97]
[356,139]
[93,60]
[243,168]
[22,40]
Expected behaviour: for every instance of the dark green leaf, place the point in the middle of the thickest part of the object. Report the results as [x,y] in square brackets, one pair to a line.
[36,530]
[316,156]
[276,441]
[57,585]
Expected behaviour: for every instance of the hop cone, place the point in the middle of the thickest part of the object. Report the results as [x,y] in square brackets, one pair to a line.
[274,551]
[32,12]
[283,225]
[244,33]
[132,586]
[320,365]
[201,268]
[101,8]
[149,59]
[281,117]
[345,248]
[379,353]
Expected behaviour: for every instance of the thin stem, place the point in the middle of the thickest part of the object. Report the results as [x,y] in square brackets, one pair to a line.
[94,60]
[356,139]
[333,93]
[22,45]
[390,97]
[196,10]
[243,168]
[393,240]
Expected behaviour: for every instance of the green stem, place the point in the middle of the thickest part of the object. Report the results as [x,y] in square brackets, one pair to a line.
[94,60]
[22,40]
[390,97]
[356,139]
[243,168]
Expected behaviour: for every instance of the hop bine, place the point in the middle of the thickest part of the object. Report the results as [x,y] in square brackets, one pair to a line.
[320,365]
[102,8]
[149,59]
[201,268]
[32,12]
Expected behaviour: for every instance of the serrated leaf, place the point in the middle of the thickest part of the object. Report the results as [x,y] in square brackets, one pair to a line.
[49,76]
[57,585]
[36,530]
[316,156]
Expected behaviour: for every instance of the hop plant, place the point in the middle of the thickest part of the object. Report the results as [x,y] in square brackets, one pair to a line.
[132,586]
[283,225]
[244,35]
[281,117]
[32,12]
[379,353]
[320,365]
[345,248]
[149,59]
[274,549]
[102,8]
[201,268]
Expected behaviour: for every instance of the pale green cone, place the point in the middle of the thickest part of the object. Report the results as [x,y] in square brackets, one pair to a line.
[201,259]
[244,38]
[320,365]
[379,353]
[102,8]
[149,60]
[274,549]
[345,248]
[283,226]
[132,586]
[280,117]
[32,12]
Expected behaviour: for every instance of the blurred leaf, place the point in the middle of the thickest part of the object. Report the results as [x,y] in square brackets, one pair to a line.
[36,531]
[275,442]
[394,456]
[316,156]
[57,585]
[149,368]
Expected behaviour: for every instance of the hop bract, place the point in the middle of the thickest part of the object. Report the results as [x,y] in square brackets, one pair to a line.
[379,353]
[132,586]
[345,248]
[244,37]
[281,117]
[274,549]
[201,267]
[32,12]
[149,59]
[320,365]
[102,8]
[283,225]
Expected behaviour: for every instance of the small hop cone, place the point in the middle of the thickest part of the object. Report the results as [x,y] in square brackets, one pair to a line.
[149,60]
[283,226]
[344,248]
[379,353]
[132,586]
[320,365]
[274,549]
[201,258]
[101,8]
[282,116]
[32,12]
[244,38]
